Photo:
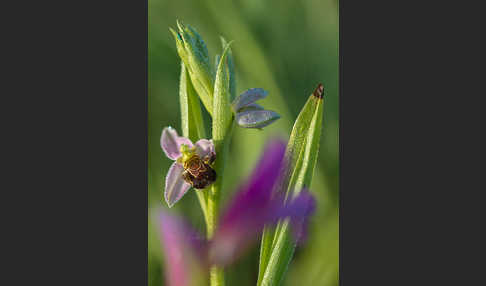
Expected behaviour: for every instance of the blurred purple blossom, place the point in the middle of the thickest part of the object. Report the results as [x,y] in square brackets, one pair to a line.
[255,205]
[184,250]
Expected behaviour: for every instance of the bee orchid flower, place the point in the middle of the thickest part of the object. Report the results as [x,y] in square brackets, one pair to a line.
[183,152]
[255,205]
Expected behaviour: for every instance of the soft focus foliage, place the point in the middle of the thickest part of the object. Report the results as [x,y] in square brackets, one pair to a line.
[285,47]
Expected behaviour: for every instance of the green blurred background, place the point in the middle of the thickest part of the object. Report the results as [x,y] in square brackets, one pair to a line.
[285,47]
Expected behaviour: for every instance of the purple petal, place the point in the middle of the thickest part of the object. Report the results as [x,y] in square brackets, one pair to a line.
[299,209]
[248,97]
[251,209]
[184,251]
[257,204]
[204,147]
[175,186]
[171,143]
[232,240]
[256,118]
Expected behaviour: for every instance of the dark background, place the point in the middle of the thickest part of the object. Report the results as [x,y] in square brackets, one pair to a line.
[74,188]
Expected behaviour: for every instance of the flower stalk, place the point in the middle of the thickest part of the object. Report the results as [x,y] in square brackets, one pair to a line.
[222,127]
[255,204]
[201,165]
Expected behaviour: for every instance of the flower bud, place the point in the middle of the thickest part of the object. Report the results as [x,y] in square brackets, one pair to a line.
[248,97]
[252,115]
[251,107]
[194,53]
[256,118]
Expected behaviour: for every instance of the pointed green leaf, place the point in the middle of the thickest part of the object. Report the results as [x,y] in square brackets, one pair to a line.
[179,45]
[301,156]
[231,69]
[216,61]
[293,150]
[192,120]
[222,113]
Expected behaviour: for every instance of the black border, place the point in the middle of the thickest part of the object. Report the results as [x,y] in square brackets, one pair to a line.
[81,143]
[392,182]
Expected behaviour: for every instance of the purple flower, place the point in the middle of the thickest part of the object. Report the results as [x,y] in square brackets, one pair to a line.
[248,113]
[179,149]
[184,252]
[255,205]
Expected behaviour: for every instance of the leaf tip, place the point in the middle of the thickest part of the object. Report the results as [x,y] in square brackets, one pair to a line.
[177,35]
[319,91]
[179,24]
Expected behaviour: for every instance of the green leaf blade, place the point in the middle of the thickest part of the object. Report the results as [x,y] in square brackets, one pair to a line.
[191,121]
[231,69]
[301,157]
[222,114]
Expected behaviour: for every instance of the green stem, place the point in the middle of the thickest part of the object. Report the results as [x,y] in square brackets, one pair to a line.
[222,130]
[212,210]
[202,201]
[216,274]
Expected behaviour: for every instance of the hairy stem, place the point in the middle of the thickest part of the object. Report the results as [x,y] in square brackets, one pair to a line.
[216,274]
[222,130]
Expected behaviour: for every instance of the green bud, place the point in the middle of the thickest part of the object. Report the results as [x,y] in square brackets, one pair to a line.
[194,53]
